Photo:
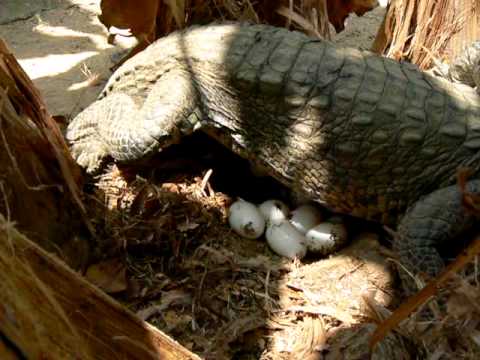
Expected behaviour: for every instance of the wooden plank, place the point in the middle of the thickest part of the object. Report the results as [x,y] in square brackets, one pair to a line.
[50,312]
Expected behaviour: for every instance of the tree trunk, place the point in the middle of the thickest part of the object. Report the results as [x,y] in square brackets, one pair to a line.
[49,312]
[38,179]
[419,31]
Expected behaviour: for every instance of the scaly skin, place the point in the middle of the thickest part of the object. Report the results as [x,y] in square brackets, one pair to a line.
[358,133]
[466,68]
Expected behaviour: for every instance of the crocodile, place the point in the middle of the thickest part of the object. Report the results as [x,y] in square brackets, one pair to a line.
[356,132]
[466,67]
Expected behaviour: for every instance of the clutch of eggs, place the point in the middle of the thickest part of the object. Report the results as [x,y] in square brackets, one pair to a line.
[288,235]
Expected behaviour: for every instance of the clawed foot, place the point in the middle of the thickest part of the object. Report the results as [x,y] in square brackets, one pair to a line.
[89,155]
[84,140]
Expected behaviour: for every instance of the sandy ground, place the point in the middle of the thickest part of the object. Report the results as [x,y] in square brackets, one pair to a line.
[64,49]
[361,31]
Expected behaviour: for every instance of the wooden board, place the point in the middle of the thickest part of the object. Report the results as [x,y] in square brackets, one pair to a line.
[48,311]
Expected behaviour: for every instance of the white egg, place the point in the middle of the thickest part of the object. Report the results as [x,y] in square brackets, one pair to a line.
[305,217]
[246,220]
[285,240]
[327,237]
[274,210]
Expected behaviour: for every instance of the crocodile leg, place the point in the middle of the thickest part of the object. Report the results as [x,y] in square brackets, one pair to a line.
[88,147]
[465,68]
[430,222]
[115,126]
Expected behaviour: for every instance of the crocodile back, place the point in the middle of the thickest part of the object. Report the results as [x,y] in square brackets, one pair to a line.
[359,133]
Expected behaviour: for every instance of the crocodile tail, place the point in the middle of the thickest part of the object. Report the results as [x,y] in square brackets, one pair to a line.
[432,223]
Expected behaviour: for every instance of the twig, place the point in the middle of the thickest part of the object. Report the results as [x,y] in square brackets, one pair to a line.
[428,291]
[204,182]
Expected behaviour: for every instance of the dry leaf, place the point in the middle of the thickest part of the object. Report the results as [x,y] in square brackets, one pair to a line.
[300,20]
[464,300]
[415,301]
[185,226]
[175,320]
[178,10]
[475,336]
[457,307]
[170,298]
[338,11]
[108,275]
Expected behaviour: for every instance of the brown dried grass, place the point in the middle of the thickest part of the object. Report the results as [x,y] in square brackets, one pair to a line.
[307,15]
[219,294]
[455,318]
[419,31]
